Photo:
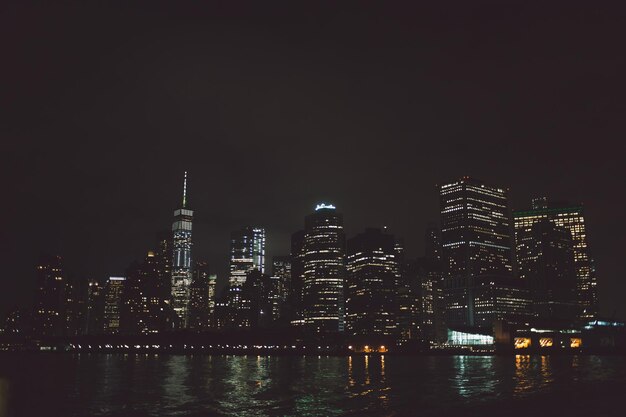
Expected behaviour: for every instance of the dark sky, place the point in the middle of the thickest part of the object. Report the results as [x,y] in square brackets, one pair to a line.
[275,107]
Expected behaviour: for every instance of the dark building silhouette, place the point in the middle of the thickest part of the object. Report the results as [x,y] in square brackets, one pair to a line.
[324,271]
[95,307]
[144,310]
[371,301]
[281,272]
[571,217]
[260,293]
[407,285]
[50,304]
[295,301]
[164,255]
[76,308]
[545,260]
[477,256]
[201,302]
[247,253]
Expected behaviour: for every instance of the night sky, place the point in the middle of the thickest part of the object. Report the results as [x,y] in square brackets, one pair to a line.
[274,108]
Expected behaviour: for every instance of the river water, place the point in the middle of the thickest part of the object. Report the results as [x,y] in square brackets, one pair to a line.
[170,385]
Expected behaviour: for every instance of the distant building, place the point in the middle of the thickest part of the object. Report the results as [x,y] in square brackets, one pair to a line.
[324,271]
[571,217]
[144,310]
[212,298]
[95,307]
[371,302]
[247,253]
[477,255]
[75,308]
[260,293]
[199,310]
[407,294]
[295,300]
[164,257]
[181,259]
[281,272]
[113,304]
[49,315]
[545,260]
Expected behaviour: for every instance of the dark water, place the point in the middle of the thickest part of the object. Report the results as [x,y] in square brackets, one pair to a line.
[157,385]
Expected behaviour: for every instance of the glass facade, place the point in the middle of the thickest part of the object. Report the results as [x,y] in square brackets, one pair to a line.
[181,260]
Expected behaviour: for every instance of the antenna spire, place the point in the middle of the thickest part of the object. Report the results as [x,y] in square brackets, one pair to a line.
[185,191]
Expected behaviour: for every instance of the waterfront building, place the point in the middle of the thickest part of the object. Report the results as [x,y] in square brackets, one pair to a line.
[281,273]
[181,259]
[199,310]
[164,256]
[324,271]
[572,218]
[144,310]
[295,300]
[476,252]
[545,260]
[371,302]
[212,298]
[407,315]
[247,253]
[113,304]
[95,307]
[50,297]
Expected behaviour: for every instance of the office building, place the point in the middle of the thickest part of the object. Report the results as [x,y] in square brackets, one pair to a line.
[114,290]
[143,309]
[371,303]
[572,218]
[476,251]
[247,252]
[50,297]
[181,259]
[199,310]
[545,260]
[324,271]
[281,273]
[295,300]
[95,307]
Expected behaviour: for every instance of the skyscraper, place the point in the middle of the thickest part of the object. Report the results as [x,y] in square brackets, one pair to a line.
[572,218]
[113,304]
[247,253]
[199,302]
[95,307]
[50,297]
[281,272]
[324,270]
[295,299]
[181,259]
[545,259]
[477,255]
[371,303]
[143,309]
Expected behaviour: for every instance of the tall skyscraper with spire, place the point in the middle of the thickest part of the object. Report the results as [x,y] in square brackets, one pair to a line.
[181,259]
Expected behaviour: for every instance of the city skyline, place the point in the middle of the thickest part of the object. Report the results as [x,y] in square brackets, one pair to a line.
[224,265]
[270,116]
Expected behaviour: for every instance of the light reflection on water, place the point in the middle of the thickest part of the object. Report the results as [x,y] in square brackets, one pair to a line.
[246,386]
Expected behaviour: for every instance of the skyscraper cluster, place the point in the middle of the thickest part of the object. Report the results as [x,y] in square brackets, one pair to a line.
[483,266]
